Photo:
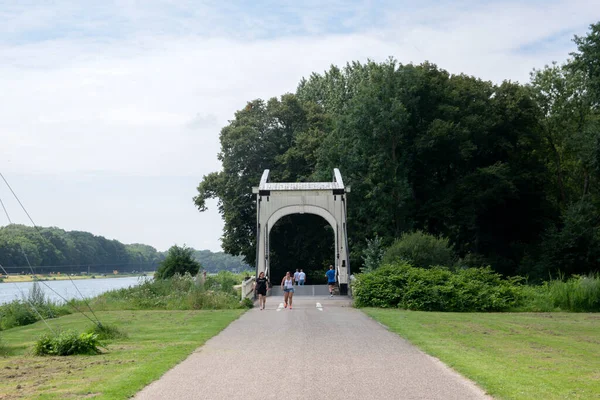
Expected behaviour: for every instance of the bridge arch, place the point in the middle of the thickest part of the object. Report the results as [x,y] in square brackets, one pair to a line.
[325,199]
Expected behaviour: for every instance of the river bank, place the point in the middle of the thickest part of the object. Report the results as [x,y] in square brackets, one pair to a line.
[62,289]
[61,277]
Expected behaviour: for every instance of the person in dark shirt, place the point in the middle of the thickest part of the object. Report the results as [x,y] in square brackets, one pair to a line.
[261,288]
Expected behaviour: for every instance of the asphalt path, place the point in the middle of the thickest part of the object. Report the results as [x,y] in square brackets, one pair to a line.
[329,352]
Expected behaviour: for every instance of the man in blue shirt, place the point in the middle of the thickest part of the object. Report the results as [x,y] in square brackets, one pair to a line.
[330,279]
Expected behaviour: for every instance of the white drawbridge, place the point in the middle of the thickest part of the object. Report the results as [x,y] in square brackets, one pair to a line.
[326,199]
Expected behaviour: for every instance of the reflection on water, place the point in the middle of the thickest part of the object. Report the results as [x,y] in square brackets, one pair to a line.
[66,289]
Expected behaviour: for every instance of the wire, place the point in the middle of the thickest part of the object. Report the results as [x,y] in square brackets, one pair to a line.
[5,212]
[25,298]
[42,236]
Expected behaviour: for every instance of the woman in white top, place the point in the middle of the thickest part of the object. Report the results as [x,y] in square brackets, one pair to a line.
[287,284]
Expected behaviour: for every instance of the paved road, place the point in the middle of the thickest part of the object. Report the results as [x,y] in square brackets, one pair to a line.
[307,353]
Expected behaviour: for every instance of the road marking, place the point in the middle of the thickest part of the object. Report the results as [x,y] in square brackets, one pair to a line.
[319,307]
[280,307]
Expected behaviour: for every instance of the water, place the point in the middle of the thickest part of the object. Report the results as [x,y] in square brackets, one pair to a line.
[87,287]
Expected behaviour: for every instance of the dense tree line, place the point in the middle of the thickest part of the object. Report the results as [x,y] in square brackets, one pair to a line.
[507,172]
[219,261]
[54,247]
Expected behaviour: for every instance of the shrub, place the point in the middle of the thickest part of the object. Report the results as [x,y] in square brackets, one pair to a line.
[3,350]
[106,332]
[373,254]
[177,293]
[247,303]
[16,313]
[435,289]
[223,281]
[420,249]
[578,294]
[179,260]
[67,343]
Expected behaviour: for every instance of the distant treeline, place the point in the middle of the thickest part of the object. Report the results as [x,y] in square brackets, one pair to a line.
[56,250]
[214,262]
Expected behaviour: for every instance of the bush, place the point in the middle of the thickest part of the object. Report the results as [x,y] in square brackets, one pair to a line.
[247,303]
[177,293]
[106,332]
[223,281]
[421,250]
[435,289]
[16,313]
[67,343]
[373,254]
[3,350]
[179,260]
[578,294]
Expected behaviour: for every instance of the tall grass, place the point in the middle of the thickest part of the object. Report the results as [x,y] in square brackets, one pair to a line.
[176,293]
[27,310]
[576,294]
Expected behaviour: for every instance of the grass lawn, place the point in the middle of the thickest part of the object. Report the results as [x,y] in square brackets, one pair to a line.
[510,355]
[157,340]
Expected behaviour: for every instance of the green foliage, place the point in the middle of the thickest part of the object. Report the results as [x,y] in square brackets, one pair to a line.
[23,312]
[16,313]
[176,293]
[577,294]
[20,312]
[575,247]
[496,169]
[60,249]
[435,289]
[420,249]
[179,260]
[219,261]
[224,281]
[373,254]
[247,303]
[107,332]
[67,343]
[3,349]
[282,135]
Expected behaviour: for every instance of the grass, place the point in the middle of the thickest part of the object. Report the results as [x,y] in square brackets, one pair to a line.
[511,356]
[176,293]
[156,341]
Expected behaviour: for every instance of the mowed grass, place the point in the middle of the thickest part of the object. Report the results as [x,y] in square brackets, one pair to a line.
[511,356]
[157,340]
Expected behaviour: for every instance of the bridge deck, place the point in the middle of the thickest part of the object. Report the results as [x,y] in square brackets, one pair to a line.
[307,290]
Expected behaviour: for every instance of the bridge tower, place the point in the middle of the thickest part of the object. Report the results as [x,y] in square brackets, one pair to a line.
[326,199]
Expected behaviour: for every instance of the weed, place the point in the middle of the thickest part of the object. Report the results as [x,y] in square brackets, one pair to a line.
[107,332]
[67,343]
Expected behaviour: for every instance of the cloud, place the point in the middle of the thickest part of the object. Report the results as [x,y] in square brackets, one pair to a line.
[119,89]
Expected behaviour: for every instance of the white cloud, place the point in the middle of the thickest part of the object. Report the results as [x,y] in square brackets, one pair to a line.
[119,93]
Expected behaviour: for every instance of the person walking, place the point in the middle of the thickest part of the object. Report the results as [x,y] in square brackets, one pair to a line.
[296,276]
[301,278]
[287,284]
[330,279]
[260,286]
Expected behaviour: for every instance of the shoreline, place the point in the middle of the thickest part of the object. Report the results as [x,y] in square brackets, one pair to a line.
[40,277]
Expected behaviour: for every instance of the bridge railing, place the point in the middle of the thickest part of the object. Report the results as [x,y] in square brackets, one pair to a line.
[248,287]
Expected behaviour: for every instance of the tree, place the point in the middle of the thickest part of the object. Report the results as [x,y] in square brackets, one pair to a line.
[373,254]
[282,135]
[179,260]
[421,250]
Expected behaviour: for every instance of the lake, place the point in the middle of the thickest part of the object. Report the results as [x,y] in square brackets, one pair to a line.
[66,289]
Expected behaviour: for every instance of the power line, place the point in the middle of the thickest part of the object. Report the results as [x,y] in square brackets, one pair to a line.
[30,302]
[29,264]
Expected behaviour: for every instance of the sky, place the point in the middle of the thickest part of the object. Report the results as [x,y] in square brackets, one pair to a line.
[110,111]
